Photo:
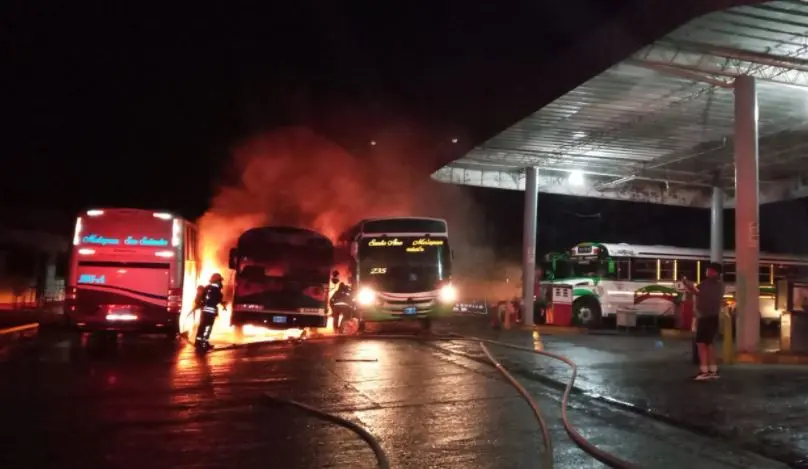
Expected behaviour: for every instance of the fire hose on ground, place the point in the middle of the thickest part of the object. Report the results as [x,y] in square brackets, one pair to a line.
[602,456]
[381,456]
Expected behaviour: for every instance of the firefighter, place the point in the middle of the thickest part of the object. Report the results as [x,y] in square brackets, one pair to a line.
[211,299]
[340,302]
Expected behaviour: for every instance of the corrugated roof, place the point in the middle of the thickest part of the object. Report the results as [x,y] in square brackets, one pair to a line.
[663,119]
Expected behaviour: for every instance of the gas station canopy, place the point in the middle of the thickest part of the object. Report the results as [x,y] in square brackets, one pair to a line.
[658,127]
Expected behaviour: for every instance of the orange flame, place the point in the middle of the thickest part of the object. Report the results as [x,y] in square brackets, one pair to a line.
[293,176]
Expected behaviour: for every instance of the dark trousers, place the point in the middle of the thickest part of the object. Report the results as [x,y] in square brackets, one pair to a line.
[205,328]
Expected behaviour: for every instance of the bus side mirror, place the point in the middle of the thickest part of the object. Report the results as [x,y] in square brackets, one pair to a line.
[232,261]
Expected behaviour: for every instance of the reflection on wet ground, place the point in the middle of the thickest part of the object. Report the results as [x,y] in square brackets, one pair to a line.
[756,407]
[145,402]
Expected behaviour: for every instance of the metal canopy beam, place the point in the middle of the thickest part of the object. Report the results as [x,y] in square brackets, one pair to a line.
[717,65]
[642,191]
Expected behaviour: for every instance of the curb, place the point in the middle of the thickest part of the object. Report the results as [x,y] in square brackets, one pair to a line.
[677,334]
[770,359]
[556,330]
[14,334]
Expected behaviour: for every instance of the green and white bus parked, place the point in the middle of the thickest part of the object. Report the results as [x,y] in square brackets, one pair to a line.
[610,277]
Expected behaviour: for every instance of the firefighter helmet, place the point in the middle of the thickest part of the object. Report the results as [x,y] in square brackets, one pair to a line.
[216,278]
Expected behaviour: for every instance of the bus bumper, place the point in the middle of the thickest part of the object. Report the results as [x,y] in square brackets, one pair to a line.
[145,327]
[381,314]
[278,320]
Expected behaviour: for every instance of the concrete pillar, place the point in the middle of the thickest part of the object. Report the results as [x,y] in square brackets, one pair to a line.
[747,247]
[50,275]
[717,226]
[529,243]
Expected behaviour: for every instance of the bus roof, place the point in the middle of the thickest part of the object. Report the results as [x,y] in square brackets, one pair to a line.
[264,233]
[96,211]
[439,226]
[659,251]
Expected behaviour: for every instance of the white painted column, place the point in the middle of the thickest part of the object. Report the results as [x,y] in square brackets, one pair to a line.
[747,247]
[50,275]
[717,226]
[529,243]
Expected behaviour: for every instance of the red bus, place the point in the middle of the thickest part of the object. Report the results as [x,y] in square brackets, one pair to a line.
[131,270]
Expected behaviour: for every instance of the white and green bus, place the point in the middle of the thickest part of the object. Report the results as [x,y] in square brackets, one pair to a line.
[610,277]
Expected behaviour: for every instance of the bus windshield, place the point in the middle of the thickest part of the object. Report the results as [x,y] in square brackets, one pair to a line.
[561,268]
[590,268]
[279,259]
[275,260]
[415,264]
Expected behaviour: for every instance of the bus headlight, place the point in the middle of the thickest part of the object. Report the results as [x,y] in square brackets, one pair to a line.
[448,294]
[366,296]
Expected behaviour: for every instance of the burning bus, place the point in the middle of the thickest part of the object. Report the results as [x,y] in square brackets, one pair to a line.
[398,269]
[281,278]
[130,271]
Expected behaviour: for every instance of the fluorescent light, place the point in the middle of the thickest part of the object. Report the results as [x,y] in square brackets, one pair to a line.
[576,178]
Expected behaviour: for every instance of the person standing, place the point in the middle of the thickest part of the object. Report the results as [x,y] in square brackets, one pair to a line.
[212,298]
[709,298]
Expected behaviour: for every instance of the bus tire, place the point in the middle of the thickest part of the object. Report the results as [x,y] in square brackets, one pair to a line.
[586,312]
[349,326]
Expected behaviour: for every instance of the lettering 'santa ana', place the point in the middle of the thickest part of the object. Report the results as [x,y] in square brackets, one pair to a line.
[385,242]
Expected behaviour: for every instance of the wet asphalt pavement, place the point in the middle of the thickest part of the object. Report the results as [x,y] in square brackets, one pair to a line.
[144,402]
[757,407]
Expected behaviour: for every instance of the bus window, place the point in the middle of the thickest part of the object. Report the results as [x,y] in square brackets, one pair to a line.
[783,271]
[687,268]
[765,274]
[666,270]
[729,271]
[643,270]
[618,269]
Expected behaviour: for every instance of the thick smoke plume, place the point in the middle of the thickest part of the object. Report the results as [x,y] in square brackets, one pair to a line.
[292,176]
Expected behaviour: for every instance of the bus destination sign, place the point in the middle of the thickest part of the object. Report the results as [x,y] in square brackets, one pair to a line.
[129,241]
[416,245]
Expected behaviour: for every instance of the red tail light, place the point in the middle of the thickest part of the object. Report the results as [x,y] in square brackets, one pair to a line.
[70,298]
[174,300]
[70,294]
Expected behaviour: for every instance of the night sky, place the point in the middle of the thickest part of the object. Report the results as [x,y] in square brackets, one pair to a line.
[141,105]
